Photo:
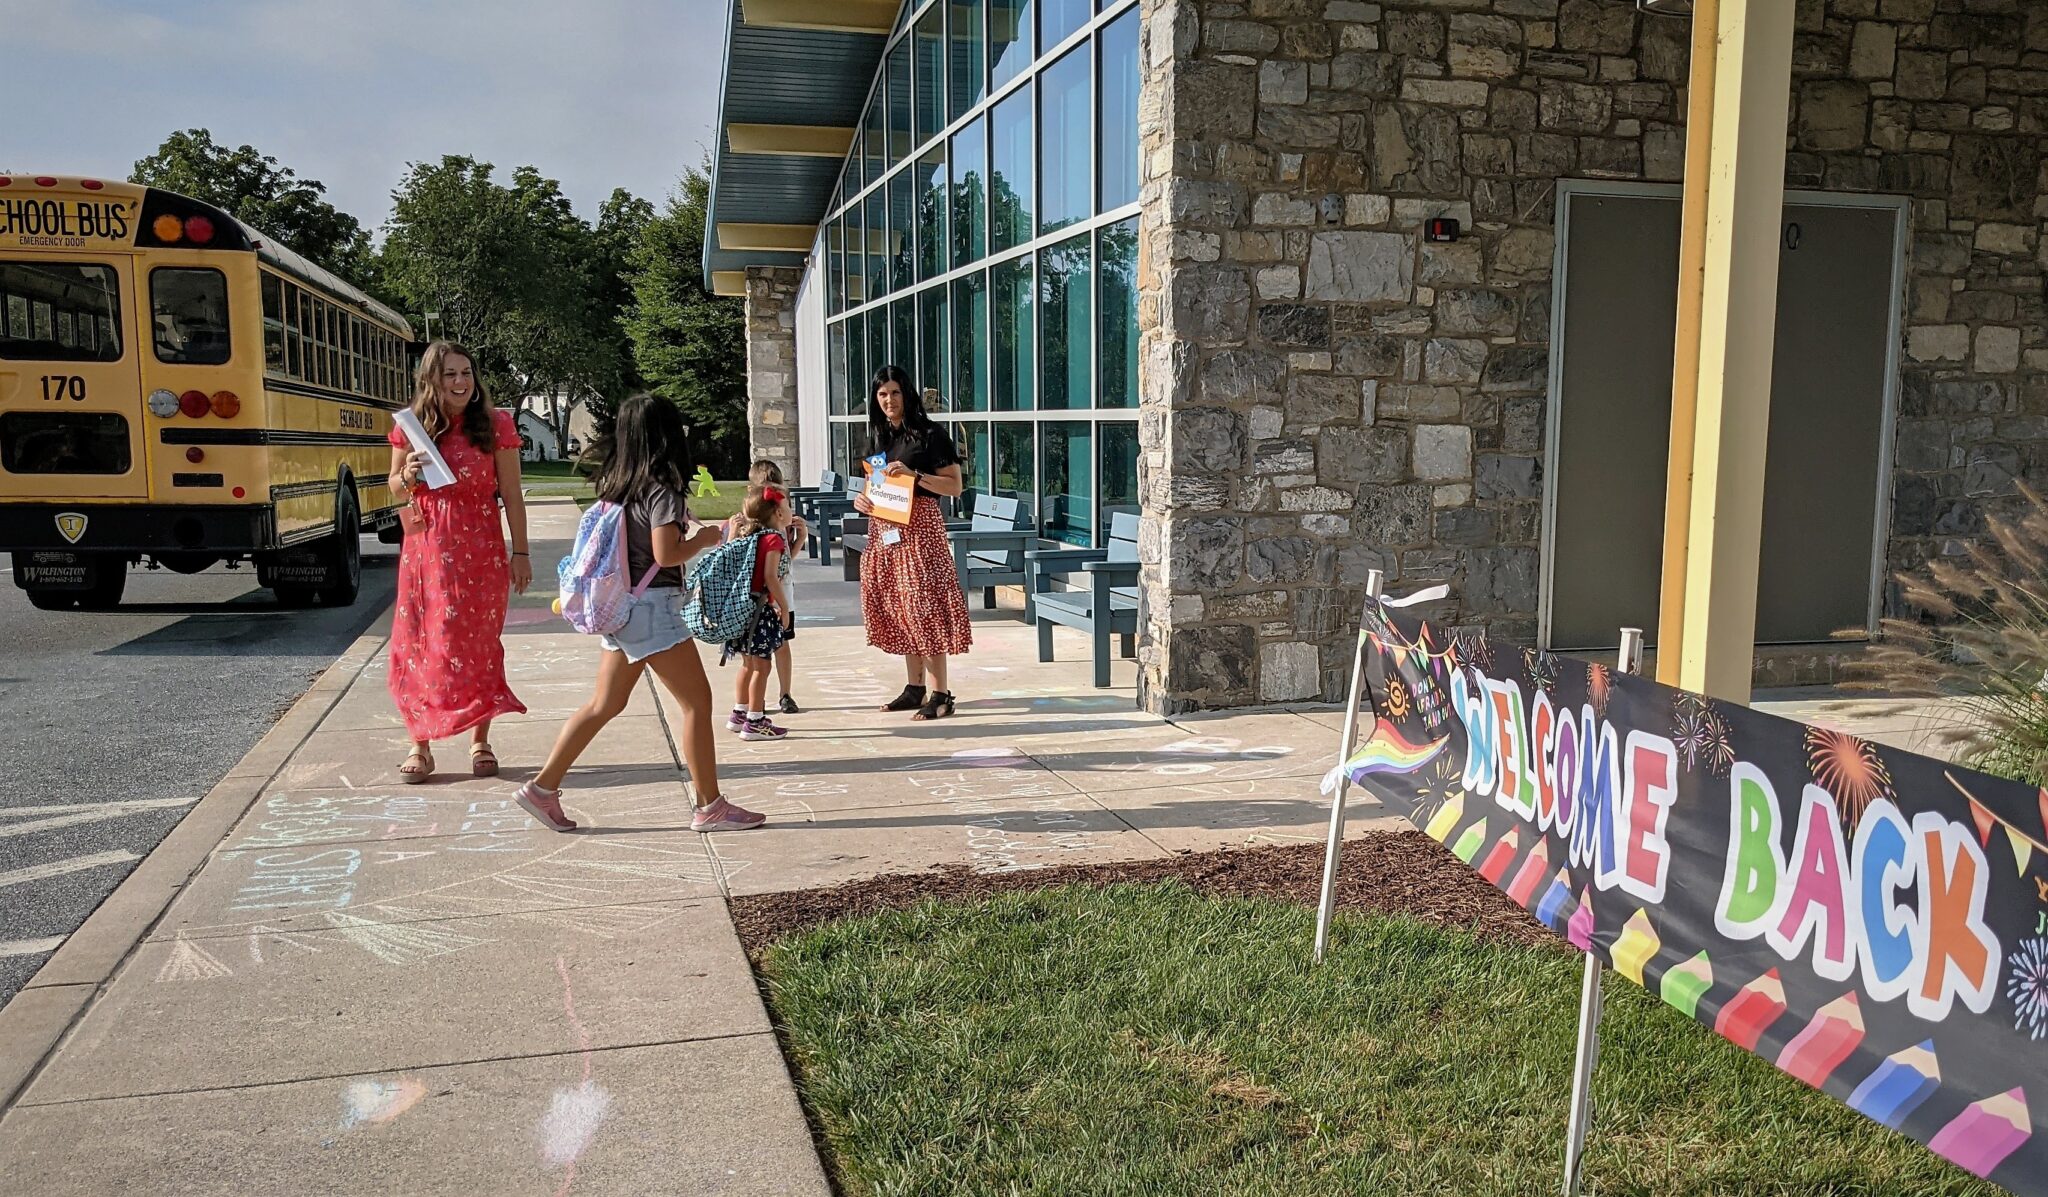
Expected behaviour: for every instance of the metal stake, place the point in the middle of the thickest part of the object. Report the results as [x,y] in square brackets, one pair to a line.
[1590,1002]
[1374,582]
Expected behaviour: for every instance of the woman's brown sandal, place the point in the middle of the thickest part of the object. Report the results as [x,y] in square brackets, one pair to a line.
[482,761]
[910,700]
[418,766]
[938,706]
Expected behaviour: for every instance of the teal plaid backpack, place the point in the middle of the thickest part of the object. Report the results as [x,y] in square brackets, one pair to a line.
[719,603]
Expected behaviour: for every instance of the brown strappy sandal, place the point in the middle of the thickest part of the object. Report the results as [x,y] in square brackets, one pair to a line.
[417,767]
[482,761]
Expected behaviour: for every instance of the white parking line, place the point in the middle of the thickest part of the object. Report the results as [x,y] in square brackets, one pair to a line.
[57,868]
[70,815]
[30,947]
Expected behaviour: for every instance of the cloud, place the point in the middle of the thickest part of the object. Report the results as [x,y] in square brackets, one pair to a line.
[600,94]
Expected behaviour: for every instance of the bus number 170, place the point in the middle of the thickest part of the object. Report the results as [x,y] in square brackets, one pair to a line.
[58,387]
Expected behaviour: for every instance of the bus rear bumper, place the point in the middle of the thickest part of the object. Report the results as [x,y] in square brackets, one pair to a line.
[108,528]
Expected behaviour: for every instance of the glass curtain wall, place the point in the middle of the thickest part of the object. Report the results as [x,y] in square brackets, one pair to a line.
[984,237]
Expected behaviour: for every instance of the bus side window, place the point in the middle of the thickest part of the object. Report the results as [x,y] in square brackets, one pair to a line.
[273,324]
[189,315]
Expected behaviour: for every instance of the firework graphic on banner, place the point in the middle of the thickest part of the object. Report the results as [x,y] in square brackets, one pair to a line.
[1542,669]
[2027,986]
[1849,769]
[1471,647]
[1599,687]
[1701,735]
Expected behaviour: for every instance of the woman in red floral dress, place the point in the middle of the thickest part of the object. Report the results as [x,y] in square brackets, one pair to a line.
[454,576]
[910,594]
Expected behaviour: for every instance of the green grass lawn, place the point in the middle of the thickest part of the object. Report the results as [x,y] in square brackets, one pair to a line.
[1145,1039]
[560,479]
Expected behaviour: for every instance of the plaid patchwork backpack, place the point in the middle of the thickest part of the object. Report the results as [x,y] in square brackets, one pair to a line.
[719,602]
[592,578]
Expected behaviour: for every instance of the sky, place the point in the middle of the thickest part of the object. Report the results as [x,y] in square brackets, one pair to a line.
[595,93]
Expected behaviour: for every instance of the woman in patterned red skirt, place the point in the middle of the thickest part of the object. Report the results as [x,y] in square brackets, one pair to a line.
[910,596]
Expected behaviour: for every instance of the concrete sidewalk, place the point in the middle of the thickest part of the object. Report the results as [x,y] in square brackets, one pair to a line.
[330,982]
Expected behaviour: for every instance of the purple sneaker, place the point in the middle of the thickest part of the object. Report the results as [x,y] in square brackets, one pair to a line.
[761,729]
[724,816]
[736,722]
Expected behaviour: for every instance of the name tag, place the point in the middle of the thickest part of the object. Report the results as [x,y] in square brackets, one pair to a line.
[891,536]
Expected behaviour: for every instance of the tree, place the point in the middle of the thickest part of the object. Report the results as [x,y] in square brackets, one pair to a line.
[689,344]
[257,190]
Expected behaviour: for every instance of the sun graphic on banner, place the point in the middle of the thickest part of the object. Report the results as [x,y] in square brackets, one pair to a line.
[1849,769]
[1397,699]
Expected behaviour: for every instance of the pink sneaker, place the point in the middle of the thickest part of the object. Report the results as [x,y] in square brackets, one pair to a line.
[545,806]
[724,816]
[761,729]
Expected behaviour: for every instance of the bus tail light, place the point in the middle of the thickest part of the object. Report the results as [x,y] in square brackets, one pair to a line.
[195,455]
[168,228]
[226,405]
[163,404]
[198,229]
[194,404]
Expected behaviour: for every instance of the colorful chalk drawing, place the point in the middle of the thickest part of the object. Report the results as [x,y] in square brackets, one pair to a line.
[377,1101]
[575,1114]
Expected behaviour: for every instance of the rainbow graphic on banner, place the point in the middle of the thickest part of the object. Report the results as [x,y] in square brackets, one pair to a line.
[1386,751]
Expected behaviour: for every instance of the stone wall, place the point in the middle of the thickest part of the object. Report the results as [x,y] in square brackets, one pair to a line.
[771,365]
[1324,393]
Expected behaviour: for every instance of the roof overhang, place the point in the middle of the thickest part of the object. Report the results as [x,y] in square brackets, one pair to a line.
[795,80]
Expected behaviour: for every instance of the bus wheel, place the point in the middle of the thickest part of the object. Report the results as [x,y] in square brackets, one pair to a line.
[107,588]
[344,554]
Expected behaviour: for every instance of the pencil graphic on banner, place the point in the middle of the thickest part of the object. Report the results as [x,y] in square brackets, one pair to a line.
[1636,947]
[1982,1136]
[1750,1013]
[1896,1088]
[1554,898]
[1530,875]
[1580,929]
[1446,818]
[1500,856]
[1467,846]
[1815,1053]
[1684,986]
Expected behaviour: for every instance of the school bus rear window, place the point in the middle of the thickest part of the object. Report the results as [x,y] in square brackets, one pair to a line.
[59,312]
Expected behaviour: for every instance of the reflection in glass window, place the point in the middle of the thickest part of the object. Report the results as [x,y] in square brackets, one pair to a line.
[1117,105]
[189,315]
[931,73]
[1065,504]
[974,446]
[969,73]
[843,441]
[1065,325]
[875,137]
[1117,269]
[1066,124]
[970,194]
[857,369]
[856,259]
[1117,491]
[1014,344]
[931,213]
[1009,39]
[835,369]
[878,350]
[38,292]
[1057,19]
[1010,191]
[1014,460]
[970,342]
[903,338]
[903,230]
[933,340]
[899,102]
[878,243]
[835,266]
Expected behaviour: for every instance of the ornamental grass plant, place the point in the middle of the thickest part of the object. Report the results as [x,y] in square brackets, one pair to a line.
[1978,641]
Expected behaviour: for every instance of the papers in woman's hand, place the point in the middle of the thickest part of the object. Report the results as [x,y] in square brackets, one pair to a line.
[437,474]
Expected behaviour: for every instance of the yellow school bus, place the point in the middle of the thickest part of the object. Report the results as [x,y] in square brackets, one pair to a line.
[178,389]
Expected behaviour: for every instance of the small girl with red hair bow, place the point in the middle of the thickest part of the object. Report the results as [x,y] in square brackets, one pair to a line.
[766,473]
[765,516]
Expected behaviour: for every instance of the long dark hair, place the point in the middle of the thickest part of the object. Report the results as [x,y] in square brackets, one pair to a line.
[426,397]
[647,448]
[916,422]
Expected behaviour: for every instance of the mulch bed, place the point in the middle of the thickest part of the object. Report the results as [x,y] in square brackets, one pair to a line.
[1402,872]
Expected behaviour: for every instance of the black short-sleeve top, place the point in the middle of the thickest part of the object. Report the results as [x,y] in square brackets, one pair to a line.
[926,451]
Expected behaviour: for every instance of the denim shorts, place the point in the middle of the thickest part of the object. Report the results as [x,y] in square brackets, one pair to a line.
[654,623]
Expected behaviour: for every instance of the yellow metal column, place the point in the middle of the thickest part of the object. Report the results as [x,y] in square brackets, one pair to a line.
[1738,314]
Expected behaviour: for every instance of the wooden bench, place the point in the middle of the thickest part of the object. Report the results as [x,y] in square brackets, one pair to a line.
[1106,605]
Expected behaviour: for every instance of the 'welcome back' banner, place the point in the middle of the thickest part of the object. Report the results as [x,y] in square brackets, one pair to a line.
[1874,922]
